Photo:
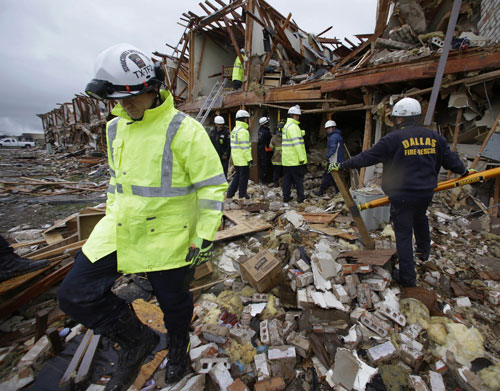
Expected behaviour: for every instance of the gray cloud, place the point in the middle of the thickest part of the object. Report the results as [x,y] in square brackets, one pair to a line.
[48,46]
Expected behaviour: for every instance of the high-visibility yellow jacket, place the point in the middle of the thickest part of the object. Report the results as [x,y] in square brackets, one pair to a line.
[238,70]
[293,148]
[241,149]
[166,188]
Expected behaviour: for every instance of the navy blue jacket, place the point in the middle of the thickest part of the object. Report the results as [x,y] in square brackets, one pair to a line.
[412,159]
[221,142]
[335,141]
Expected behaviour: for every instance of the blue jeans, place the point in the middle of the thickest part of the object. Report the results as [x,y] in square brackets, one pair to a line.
[409,217]
[85,294]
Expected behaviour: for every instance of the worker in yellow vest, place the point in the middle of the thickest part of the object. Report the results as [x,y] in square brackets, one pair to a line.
[163,209]
[241,153]
[238,71]
[293,155]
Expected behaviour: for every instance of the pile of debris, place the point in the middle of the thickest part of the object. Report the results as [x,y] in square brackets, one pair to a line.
[295,302]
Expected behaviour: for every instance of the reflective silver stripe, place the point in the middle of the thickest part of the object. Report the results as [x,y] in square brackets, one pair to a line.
[216,180]
[241,147]
[111,188]
[210,204]
[294,144]
[293,138]
[112,129]
[241,142]
[112,172]
[119,188]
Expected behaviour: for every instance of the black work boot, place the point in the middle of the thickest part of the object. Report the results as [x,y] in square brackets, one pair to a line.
[178,357]
[136,342]
[12,265]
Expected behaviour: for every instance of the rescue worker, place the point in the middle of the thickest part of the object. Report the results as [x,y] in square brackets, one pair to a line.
[163,209]
[412,157]
[12,265]
[263,149]
[220,140]
[238,71]
[241,153]
[293,156]
[275,146]
[335,145]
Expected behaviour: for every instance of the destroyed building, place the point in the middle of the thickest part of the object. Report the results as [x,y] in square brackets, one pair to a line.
[326,313]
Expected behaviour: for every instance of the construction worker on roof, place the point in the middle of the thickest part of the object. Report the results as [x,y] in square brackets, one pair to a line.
[238,71]
[412,157]
[335,145]
[163,209]
[241,153]
[275,146]
[293,155]
[220,139]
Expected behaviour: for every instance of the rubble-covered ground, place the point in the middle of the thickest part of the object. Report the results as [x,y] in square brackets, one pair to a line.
[333,317]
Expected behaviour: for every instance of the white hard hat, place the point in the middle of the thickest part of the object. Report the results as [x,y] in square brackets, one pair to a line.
[242,50]
[294,110]
[242,114]
[330,124]
[121,71]
[218,120]
[263,120]
[407,107]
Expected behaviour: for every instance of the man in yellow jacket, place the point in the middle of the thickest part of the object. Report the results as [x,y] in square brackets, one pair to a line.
[241,153]
[238,71]
[293,155]
[163,209]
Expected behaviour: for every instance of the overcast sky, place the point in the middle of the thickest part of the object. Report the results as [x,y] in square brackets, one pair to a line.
[48,46]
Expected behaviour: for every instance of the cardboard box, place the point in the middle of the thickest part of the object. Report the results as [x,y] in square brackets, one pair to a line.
[263,271]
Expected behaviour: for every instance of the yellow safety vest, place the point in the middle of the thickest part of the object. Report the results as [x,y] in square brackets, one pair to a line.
[241,149]
[293,147]
[166,188]
[238,71]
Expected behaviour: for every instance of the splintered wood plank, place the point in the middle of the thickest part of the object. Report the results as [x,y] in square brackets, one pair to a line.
[244,225]
[77,359]
[332,231]
[149,314]
[370,257]
[71,239]
[318,218]
[58,251]
[52,237]
[26,244]
[148,370]
[88,360]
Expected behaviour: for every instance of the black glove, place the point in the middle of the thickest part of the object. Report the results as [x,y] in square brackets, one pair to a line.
[200,251]
[250,163]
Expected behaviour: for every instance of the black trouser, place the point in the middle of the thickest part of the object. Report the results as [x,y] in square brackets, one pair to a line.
[409,217]
[85,294]
[327,181]
[225,164]
[277,173]
[240,181]
[237,84]
[293,174]
[263,166]
[5,247]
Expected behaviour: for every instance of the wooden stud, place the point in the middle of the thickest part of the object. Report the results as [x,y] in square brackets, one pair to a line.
[248,43]
[367,137]
[496,194]
[233,39]
[41,318]
[488,136]
[77,358]
[85,367]
[455,134]
[55,340]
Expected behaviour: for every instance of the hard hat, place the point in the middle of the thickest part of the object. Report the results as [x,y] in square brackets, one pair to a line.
[242,50]
[121,71]
[242,114]
[263,120]
[294,110]
[330,124]
[407,107]
[279,126]
[218,120]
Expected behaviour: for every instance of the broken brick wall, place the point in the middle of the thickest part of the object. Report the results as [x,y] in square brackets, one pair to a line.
[489,25]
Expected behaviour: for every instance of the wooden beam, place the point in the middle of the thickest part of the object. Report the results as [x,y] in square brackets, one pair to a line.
[324,31]
[248,44]
[174,78]
[233,40]
[461,62]
[354,107]
[76,360]
[494,201]
[220,14]
[383,7]
[357,51]
[455,134]
[488,136]
[85,367]
[367,137]
[290,95]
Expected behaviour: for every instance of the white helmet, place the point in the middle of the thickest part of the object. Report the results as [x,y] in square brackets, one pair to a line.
[218,120]
[330,124]
[121,71]
[407,107]
[242,114]
[263,120]
[242,50]
[294,110]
